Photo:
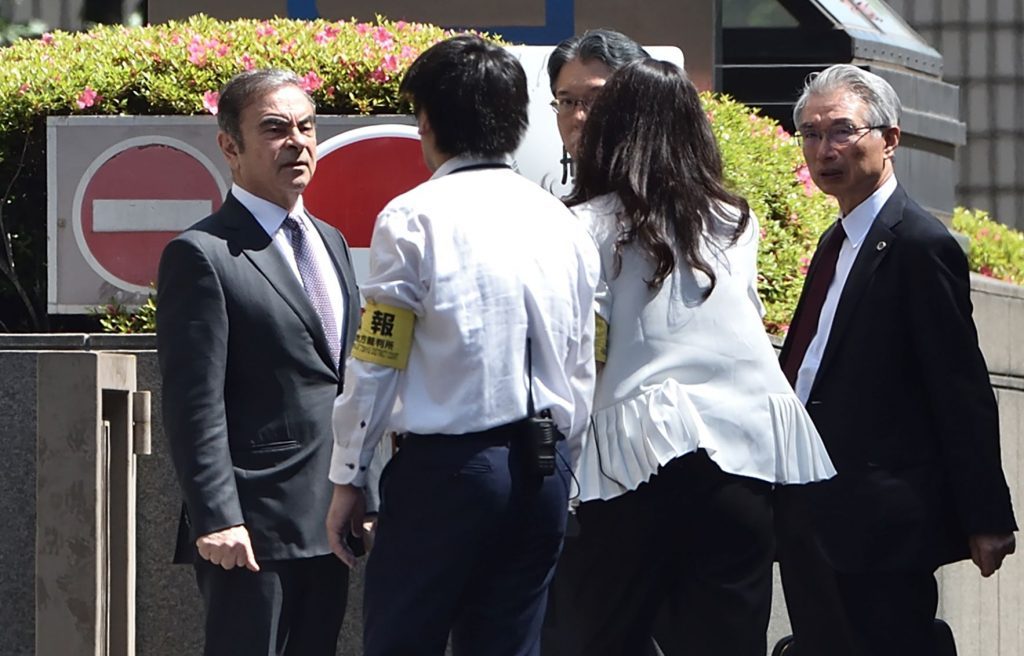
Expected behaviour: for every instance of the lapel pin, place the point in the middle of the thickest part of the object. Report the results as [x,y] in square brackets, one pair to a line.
[880,246]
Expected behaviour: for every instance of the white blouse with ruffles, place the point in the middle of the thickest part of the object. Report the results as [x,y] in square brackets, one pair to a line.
[686,373]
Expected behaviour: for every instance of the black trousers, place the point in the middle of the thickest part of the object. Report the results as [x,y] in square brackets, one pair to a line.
[466,547]
[693,536]
[288,608]
[813,603]
[559,631]
[859,613]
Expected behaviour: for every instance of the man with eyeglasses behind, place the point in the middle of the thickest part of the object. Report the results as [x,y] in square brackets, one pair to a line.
[884,352]
[577,68]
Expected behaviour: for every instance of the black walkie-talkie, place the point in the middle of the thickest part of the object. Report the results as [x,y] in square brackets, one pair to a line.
[540,430]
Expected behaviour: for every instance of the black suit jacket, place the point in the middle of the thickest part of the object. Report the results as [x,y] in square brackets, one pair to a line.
[904,404]
[248,384]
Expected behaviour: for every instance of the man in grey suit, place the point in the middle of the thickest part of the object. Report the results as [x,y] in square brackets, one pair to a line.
[257,306]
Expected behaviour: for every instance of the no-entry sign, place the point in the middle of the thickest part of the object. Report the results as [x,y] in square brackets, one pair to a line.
[358,172]
[134,198]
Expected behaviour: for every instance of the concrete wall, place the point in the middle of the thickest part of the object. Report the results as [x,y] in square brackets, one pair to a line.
[986,615]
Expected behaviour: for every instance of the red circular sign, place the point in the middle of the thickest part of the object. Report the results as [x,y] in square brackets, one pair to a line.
[358,172]
[136,200]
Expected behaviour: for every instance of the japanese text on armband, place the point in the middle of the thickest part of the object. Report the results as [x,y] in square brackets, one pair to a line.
[385,335]
[600,339]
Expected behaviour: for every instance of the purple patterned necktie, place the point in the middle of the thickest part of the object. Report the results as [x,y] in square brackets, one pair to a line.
[314,284]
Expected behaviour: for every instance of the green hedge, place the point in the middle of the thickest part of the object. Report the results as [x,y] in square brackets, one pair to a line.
[348,67]
[996,250]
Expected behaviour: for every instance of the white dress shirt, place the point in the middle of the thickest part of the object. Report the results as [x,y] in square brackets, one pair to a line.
[484,258]
[687,373]
[271,218]
[856,225]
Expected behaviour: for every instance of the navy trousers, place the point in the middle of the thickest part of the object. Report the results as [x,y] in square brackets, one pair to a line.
[466,547]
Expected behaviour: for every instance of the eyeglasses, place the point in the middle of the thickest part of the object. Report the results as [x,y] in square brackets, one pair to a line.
[569,105]
[837,135]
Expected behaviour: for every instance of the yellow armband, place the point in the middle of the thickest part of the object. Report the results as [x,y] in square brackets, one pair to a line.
[600,338]
[385,335]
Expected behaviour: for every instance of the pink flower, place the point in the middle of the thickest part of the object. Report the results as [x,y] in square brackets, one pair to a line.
[210,100]
[327,34]
[222,49]
[803,174]
[287,48]
[390,63]
[753,118]
[176,39]
[23,88]
[408,53]
[781,133]
[378,75]
[48,38]
[986,270]
[383,37]
[87,98]
[400,25]
[311,82]
[197,51]
[362,28]
[329,92]
[247,63]
[804,263]
[265,29]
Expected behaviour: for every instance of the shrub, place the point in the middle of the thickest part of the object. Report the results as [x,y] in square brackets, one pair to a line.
[348,67]
[996,250]
[116,318]
[764,164]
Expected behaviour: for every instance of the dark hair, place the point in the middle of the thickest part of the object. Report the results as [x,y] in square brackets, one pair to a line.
[648,140]
[613,48]
[474,95]
[246,87]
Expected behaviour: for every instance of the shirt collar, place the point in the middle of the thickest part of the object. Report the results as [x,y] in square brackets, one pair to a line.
[269,215]
[857,223]
[462,161]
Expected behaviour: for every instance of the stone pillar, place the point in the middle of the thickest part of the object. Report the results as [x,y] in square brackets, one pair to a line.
[85,505]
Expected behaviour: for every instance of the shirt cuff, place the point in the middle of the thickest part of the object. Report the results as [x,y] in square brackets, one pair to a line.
[346,467]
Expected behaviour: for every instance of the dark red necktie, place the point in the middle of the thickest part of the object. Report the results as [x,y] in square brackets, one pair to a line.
[806,325]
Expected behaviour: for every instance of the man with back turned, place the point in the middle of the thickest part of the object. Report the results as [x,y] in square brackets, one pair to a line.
[479,320]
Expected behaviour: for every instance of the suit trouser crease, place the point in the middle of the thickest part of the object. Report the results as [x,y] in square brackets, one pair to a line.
[288,608]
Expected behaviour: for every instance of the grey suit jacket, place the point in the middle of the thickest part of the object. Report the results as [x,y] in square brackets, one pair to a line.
[248,384]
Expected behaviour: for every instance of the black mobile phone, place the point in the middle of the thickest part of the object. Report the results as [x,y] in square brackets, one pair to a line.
[356,544]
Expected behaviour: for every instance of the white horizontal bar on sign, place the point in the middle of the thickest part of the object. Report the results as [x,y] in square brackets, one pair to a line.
[147,215]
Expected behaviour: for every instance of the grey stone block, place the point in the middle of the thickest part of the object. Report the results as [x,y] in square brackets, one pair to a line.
[18,502]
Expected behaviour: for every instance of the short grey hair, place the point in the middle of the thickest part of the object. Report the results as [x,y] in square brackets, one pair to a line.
[247,87]
[884,107]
